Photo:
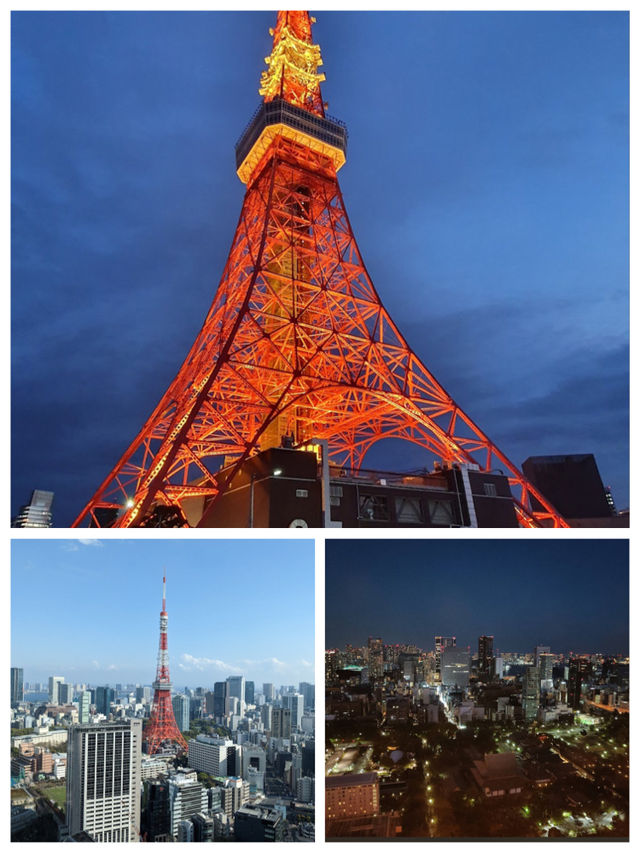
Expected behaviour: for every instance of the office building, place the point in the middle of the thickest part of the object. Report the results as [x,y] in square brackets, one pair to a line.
[531,692]
[84,706]
[37,513]
[202,827]
[352,795]
[54,689]
[268,691]
[375,657]
[250,692]
[235,688]
[17,685]
[281,723]
[295,703]
[65,693]
[485,658]
[103,781]
[455,665]
[441,643]
[186,798]
[309,692]
[181,707]
[104,697]
[209,755]
[579,673]
[219,698]
[258,823]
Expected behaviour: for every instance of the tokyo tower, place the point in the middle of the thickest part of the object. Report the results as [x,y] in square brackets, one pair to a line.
[162,724]
[297,342]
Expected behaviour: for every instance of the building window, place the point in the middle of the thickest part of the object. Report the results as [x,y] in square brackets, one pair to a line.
[490,490]
[374,507]
[441,512]
[302,493]
[409,510]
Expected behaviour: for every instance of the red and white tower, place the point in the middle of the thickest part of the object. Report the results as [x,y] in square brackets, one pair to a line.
[162,724]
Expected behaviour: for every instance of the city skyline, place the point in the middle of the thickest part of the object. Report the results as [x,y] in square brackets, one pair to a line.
[523,592]
[525,170]
[211,636]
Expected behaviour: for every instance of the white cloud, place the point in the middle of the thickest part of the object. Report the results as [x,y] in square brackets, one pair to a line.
[69,546]
[95,542]
[191,662]
[304,662]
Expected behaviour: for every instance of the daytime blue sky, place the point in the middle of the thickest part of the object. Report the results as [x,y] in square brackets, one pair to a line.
[88,610]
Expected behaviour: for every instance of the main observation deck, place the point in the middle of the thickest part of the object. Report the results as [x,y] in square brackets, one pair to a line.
[327,136]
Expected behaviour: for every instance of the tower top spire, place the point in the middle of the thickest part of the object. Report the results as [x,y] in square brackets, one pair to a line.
[164,592]
[292,72]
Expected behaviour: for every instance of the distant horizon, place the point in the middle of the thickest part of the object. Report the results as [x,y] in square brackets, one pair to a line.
[569,594]
[235,607]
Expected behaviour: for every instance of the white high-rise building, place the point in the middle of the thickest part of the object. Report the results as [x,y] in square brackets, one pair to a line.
[103,781]
[84,706]
[54,688]
[235,687]
[180,704]
[186,797]
[209,755]
[295,703]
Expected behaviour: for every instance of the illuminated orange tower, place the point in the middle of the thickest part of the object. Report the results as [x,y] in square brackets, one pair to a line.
[162,726]
[297,341]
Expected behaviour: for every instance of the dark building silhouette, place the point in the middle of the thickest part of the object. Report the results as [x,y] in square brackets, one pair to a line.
[572,483]
[579,673]
[156,814]
[257,823]
[485,657]
[283,487]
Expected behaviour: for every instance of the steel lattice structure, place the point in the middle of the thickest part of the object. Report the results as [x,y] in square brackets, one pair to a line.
[162,726]
[297,340]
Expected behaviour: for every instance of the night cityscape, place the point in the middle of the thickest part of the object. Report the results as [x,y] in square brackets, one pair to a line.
[107,760]
[479,690]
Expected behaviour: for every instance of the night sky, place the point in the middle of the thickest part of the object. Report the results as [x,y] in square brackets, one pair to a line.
[486,182]
[571,595]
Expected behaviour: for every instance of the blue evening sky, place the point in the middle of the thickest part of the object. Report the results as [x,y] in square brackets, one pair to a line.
[89,610]
[486,182]
[572,595]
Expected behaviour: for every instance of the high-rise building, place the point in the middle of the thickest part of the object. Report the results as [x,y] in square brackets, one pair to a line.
[209,755]
[281,723]
[65,693]
[442,643]
[37,513]
[545,665]
[202,827]
[250,692]
[268,691]
[579,674]
[219,697]
[309,692]
[17,685]
[498,667]
[266,715]
[84,706]
[295,703]
[235,688]
[186,798]
[375,657]
[531,692]
[54,689]
[103,781]
[181,707]
[538,651]
[455,665]
[485,658]
[104,697]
